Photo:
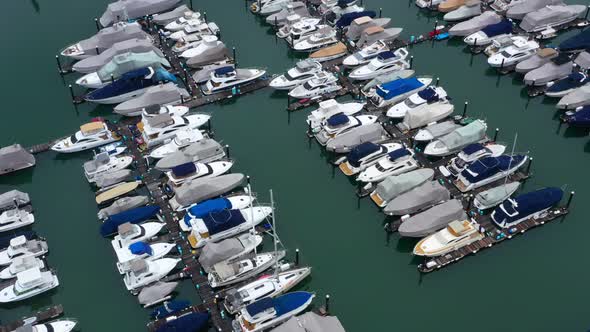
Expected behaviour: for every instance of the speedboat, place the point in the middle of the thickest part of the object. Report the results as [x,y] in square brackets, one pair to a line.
[229,77]
[90,136]
[60,325]
[160,128]
[433,219]
[130,85]
[268,312]
[566,85]
[456,235]
[394,163]
[431,94]
[475,24]
[385,62]
[328,108]
[280,18]
[228,273]
[579,118]
[208,42]
[20,246]
[228,250]
[518,10]
[490,198]
[182,139]
[103,162]
[541,57]
[487,170]
[365,155]
[339,124]
[119,65]
[556,69]
[113,149]
[132,233]
[345,142]
[486,35]
[435,130]
[221,225]
[190,171]
[204,150]
[329,52]
[577,43]
[322,37]
[143,273]
[417,199]
[158,95]
[576,98]
[20,264]
[531,205]
[123,10]
[141,250]
[521,49]
[184,20]
[322,83]
[373,34]
[266,286]
[470,9]
[398,90]
[551,16]
[468,155]
[360,24]
[303,71]
[104,39]
[15,218]
[365,54]
[29,283]
[458,139]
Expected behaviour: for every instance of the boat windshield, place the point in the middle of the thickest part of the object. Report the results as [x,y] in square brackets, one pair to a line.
[506,54]
[410,103]
[307,86]
[73,139]
[380,167]
[460,163]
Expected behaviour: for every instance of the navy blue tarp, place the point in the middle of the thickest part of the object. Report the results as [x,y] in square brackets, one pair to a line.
[386,55]
[337,119]
[360,151]
[573,81]
[217,222]
[184,169]
[259,306]
[487,167]
[393,155]
[191,322]
[429,94]
[170,308]
[346,19]
[133,216]
[507,214]
[578,42]
[131,81]
[472,148]
[500,28]
[224,70]
[580,119]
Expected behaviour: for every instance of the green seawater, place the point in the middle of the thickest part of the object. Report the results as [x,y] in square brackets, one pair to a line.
[536,282]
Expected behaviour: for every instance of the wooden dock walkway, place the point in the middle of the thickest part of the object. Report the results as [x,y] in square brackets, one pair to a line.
[39,317]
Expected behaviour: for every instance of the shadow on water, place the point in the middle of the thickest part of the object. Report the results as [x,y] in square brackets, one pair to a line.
[19,177]
[36,7]
[405,244]
[575,132]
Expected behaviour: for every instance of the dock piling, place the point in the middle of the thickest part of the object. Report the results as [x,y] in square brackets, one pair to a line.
[470,201]
[569,200]
[233,50]
[297,257]
[112,78]
[205,17]
[228,155]
[380,12]
[191,4]
[181,99]
[59,67]
[327,306]
[96,50]
[475,43]
[528,167]
[502,64]
[465,109]
[496,135]
[96,24]
[437,81]
[435,26]
[72,93]
[411,61]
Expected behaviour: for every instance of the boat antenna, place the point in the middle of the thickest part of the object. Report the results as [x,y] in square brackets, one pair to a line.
[252,212]
[275,236]
[511,157]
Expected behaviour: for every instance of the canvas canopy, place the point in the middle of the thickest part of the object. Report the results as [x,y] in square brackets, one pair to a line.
[123,204]
[156,292]
[394,186]
[547,16]
[15,157]
[226,270]
[360,151]
[133,216]
[106,37]
[170,308]
[503,27]
[311,322]
[425,114]
[218,222]
[204,150]
[443,128]
[198,190]
[397,87]
[123,10]
[471,133]
[433,219]
[215,252]
[202,209]
[134,45]
[10,198]
[126,62]
[417,199]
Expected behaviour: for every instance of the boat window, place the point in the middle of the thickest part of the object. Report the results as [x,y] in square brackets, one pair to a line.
[307,86]
[73,139]
[505,54]
[380,168]
[259,287]
[290,276]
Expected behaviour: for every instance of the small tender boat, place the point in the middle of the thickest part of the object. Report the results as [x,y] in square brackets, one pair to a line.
[328,108]
[468,155]
[365,54]
[20,264]
[29,283]
[520,50]
[486,35]
[161,94]
[141,250]
[417,199]
[109,195]
[266,286]
[143,273]
[398,90]
[396,162]
[268,312]
[229,77]
[394,186]
[303,71]
[90,136]
[204,150]
[458,139]
[541,57]
[431,94]
[365,155]
[558,68]
[487,170]
[433,219]
[578,97]
[122,204]
[470,9]
[436,130]
[15,157]
[475,24]
[519,9]
[322,37]
[123,10]
[20,246]
[228,250]
[373,34]
[15,218]
[456,235]
[340,124]
[373,132]
[526,206]
[360,24]
[131,233]
[198,190]
[191,171]
[566,85]
[226,273]
[551,16]
[329,53]
[103,163]
[490,198]
[158,129]
[170,308]
[320,84]
[386,62]
[182,139]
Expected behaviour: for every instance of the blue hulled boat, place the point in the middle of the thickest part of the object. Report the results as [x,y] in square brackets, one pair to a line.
[566,85]
[190,322]
[170,308]
[580,118]
[530,205]
[133,216]
[487,170]
[576,43]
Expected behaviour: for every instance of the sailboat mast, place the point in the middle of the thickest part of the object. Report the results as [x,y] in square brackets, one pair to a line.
[275,236]
[511,157]
[252,213]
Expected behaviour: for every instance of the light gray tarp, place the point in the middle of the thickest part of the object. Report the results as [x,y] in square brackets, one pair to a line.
[107,37]
[126,62]
[160,94]
[471,133]
[355,30]
[440,129]
[205,150]
[8,199]
[201,189]
[425,114]
[496,195]
[110,178]
[550,15]
[417,199]
[123,204]
[396,185]
[475,24]
[311,322]
[215,252]
[386,35]
[156,292]
[433,219]
[373,132]
[168,17]
[293,8]
[15,157]
[548,72]
[578,97]
[124,10]
[214,54]
[520,9]
[583,60]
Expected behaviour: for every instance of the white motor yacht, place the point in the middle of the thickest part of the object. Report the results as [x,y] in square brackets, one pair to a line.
[395,163]
[303,71]
[15,218]
[321,38]
[432,94]
[365,155]
[183,21]
[520,50]
[386,62]
[208,42]
[155,110]
[149,252]
[229,77]
[103,163]
[365,54]
[300,27]
[192,29]
[191,171]
[328,108]
[90,136]
[339,124]
[182,139]
[322,83]
[20,246]
[227,273]
[131,233]
[29,283]
[143,273]
[469,154]
[160,128]
[21,264]
[456,235]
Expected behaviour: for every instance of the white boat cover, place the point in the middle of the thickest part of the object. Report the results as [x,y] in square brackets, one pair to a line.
[198,190]
[311,322]
[110,178]
[135,45]
[15,157]
[123,204]
[155,292]
[471,133]
[161,94]
[214,54]
[126,62]
[215,252]
[124,10]
[204,150]
[396,185]
[417,199]
[9,198]
[433,219]
[497,195]
[475,24]
[425,114]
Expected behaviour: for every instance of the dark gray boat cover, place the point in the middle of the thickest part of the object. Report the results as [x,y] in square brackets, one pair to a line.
[425,114]
[168,17]
[199,190]
[135,45]
[583,60]
[9,198]
[205,150]
[215,252]
[110,178]
[161,94]
[440,129]
[396,185]
[310,322]
[433,219]
[417,199]
[209,56]
[107,37]
[471,133]
[15,157]
[124,10]
[550,15]
[123,204]
[548,72]
[155,292]
[373,132]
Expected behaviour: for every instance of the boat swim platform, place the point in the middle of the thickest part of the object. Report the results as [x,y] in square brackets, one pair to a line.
[40,316]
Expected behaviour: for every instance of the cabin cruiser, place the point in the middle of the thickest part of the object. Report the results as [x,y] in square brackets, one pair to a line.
[155,110]
[487,170]
[188,42]
[360,24]
[130,85]
[161,94]
[208,42]
[20,246]
[541,57]
[566,85]
[228,250]
[141,250]
[435,130]
[184,20]
[329,52]
[328,108]
[486,35]
[345,142]
[60,325]
[384,63]
[228,273]
[526,206]
[15,218]
[132,233]
[221,225]
[104,39]
[458,139]
[339,124]
[558,68]
[417,199]
[365,54]
[304,26]
[431,94]
[373,34]
[398,90]
[20,264]
[490,198]
[190,171]
[456,235]
[266,286]
[336,12]
[143,273]
[160,128]
[578,97]
[475,24]
[468,155]
[551,16]
[103,163]
[520,50]
[268,7]
[29,283]
[321,84]
[228,77]
[365,155]
[268,312]
[182,139]
[90,136]
[303,71]
[193,30]
[124,10]
[433,219]
[203,150]
[519,9]
[322,37]
[394,163]
[281,18]
[501,42]
[470,9]
[108,195]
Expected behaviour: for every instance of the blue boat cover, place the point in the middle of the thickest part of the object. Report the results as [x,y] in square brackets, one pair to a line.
[337,119]
[169,308]
[344,3]
[291,301]
[133,216]
[204,208]
[393,155]
[360,151]
[346,19]
[398,87]
[5,240]
[131,81]
[259,306]
[191,322]
[581,118]
[502,27]
[140,248]
[473,148]
[578,42]
[385,55]
[489,166]
[217,222]
[223,70]
[573,81]
[526,205]
[184,169]
[429,94]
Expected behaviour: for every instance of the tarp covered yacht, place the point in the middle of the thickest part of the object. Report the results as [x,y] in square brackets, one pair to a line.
[15,157]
